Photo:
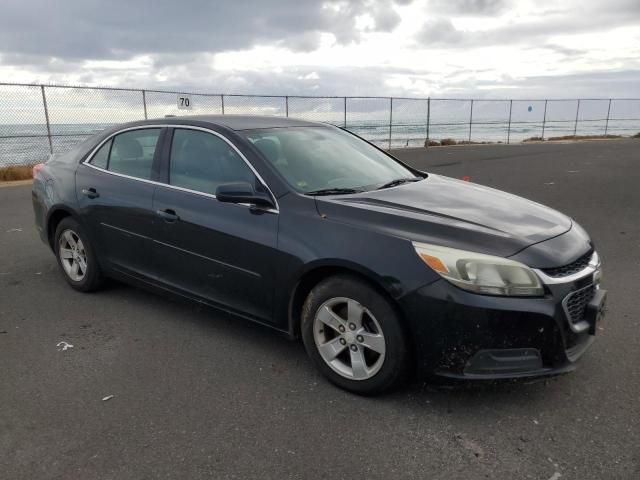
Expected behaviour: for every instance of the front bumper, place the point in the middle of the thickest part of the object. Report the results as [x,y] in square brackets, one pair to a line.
[458,334]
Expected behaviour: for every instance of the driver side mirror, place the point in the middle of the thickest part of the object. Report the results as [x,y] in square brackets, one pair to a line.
[242,192]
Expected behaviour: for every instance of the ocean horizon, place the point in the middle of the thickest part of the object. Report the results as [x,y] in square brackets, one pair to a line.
[26,144]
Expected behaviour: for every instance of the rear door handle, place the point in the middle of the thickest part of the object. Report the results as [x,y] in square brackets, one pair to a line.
[90,192]
[168,215]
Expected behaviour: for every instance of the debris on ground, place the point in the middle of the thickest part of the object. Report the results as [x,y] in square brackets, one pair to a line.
[469,445]
[62,346]
[108,397]
[14,230]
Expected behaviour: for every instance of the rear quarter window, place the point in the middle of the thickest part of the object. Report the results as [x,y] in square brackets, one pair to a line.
[101,158]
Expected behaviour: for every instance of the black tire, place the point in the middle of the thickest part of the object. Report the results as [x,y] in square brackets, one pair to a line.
[396,365]
[92,278]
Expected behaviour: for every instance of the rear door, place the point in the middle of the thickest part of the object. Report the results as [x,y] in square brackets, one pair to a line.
[222,252]
[115,191]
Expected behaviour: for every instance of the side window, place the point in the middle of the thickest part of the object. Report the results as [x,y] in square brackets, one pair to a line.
[201,161]
[132,152]
[101,158]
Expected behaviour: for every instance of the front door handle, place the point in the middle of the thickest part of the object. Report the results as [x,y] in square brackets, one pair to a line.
[90,192]
[168,215]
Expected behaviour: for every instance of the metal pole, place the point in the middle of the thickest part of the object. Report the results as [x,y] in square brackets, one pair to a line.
[345,112]
[222,103]
[390,119]
[144,103]
[544,119]
[575,126]
[46,116]
[606,125]
[286,106]
[470,120]
[509,127]
[428,119]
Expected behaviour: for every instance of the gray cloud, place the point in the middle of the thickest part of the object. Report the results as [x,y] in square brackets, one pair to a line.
[439,31]
[195,75]
[192,74]
[45,41]
[384,16]
[467,7]
[467,83]
[562,50]
[92,29]
[618,83]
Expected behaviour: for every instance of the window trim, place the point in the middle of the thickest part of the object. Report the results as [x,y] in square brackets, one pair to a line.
[174,187]
[110,139]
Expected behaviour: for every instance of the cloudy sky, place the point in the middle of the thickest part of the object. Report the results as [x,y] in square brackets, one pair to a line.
[481,48]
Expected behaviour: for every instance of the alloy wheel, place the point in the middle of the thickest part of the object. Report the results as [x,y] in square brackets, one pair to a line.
[349,338]
[73,256]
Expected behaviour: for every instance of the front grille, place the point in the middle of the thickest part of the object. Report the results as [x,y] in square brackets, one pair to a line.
[570,269]
[576,302]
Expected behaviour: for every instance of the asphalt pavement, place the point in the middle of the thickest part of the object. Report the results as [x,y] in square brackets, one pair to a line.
[157,388]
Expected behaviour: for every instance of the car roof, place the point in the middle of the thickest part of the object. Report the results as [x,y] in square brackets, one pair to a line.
[241,122]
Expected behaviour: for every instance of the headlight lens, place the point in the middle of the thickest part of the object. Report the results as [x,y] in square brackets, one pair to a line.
[480,273]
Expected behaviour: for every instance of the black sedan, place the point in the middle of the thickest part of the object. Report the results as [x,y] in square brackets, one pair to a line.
[381,269]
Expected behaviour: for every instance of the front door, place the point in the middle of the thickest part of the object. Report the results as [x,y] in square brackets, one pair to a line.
[221,252]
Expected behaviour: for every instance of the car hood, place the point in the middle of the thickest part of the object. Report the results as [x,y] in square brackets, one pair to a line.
[450,212]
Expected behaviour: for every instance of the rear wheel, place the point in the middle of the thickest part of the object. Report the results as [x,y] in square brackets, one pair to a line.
[354,336]
[76,257]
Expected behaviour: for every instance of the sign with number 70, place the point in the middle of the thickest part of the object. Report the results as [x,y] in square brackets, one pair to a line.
[184,102]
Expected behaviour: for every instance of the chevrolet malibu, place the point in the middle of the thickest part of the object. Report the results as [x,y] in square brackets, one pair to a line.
[382,270]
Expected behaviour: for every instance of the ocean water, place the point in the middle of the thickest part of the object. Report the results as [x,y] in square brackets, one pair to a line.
[27,144]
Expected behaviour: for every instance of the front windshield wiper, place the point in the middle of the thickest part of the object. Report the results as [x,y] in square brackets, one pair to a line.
[333,191]
[398,181]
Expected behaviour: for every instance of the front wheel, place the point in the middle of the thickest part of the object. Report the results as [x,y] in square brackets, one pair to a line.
[354,336]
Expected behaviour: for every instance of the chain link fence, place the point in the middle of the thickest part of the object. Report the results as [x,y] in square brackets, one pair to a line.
[37,120]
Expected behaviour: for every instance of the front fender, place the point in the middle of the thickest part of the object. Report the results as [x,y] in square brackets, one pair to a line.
[309,243]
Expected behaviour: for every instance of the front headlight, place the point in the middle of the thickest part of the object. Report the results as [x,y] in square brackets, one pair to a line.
[480,273]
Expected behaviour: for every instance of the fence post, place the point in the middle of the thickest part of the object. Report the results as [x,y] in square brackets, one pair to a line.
[286,106]
[606,125]
[544,119]
[428,119]
[390,119]
[222,103]
[144,103]
[345,112]
[575,126]
[470,120]
[46,117]
[509,127]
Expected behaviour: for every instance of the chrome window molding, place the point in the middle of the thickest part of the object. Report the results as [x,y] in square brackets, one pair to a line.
[590,269]
[87,162]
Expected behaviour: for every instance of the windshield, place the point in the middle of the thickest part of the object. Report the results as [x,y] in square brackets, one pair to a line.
[314,159]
